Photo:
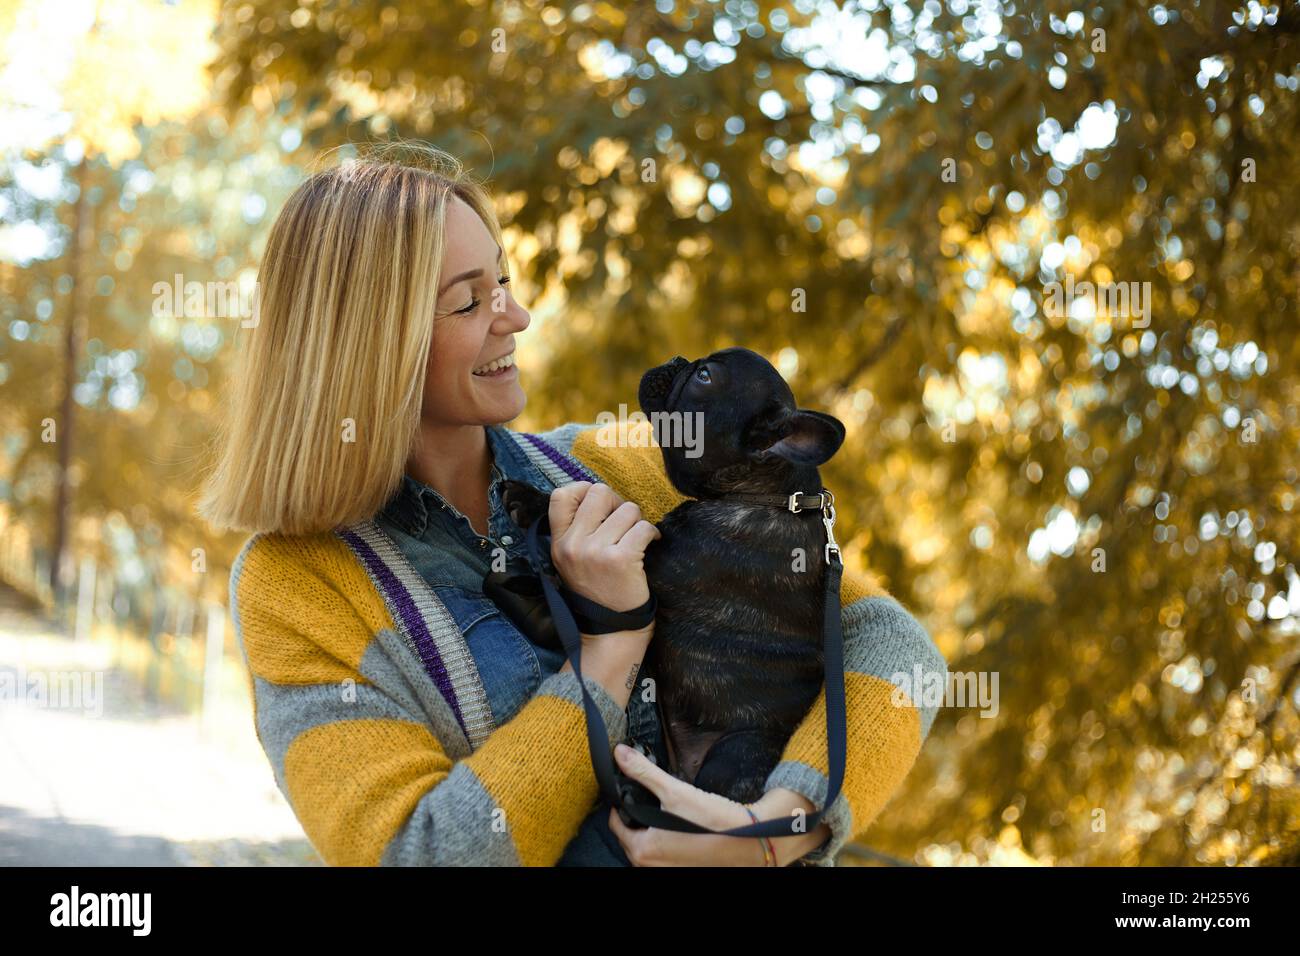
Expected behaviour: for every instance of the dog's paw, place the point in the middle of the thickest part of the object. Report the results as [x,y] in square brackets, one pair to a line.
[524,503]
[645,750]
[631,795]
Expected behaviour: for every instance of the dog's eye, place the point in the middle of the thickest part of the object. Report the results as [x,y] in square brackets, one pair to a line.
[702,374]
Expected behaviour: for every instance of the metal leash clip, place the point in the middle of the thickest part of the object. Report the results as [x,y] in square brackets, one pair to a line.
[828,519]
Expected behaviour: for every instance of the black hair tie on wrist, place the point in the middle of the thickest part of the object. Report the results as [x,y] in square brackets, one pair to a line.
[593,618]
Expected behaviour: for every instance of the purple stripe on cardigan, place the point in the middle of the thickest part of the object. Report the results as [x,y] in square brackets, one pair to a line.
[567,464]
[400,599]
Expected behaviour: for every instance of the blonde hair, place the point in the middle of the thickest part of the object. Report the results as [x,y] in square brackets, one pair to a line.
[348,288]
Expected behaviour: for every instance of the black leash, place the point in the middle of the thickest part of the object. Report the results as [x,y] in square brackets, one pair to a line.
[606,621]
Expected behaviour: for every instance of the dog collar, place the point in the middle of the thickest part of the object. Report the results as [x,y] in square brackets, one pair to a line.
[822,501]
[795,503]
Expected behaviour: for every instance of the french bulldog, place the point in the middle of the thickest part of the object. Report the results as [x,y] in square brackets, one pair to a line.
[736,655]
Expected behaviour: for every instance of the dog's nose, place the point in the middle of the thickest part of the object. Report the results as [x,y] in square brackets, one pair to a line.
[657,383]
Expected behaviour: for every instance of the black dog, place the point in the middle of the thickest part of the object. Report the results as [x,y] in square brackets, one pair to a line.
[736,655]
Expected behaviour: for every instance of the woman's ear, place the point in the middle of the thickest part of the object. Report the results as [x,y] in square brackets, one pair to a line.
[803,436]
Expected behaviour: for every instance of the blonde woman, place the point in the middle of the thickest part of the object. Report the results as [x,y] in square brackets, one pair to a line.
[405,719]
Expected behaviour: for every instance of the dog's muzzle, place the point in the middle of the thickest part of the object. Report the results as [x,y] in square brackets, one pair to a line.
[657,390]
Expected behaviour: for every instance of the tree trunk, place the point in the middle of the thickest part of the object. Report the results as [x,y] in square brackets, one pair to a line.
[78,254]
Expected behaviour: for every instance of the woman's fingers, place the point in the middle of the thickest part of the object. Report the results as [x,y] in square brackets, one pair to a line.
[654,778]
[640,535]
[654,847]
[564,504]
[585,510]
[651,846]
[591,561]
[619,522]
[677,796]
[595,506]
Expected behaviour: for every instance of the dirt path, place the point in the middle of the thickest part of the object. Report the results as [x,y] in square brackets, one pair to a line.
[93,774]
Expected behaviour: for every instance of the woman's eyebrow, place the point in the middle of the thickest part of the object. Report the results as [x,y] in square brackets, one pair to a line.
[471,274]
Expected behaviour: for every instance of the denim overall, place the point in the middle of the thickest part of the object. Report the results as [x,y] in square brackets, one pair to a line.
[453,558]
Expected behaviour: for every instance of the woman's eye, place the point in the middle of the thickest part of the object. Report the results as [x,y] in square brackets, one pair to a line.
[473,303]
[704,376]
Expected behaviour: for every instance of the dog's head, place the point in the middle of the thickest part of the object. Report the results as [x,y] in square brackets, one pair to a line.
[752,437]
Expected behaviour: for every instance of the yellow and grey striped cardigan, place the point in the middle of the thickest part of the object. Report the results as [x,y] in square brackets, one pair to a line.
[370,708]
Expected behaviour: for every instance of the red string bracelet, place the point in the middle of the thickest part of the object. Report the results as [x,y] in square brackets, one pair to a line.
[769,851]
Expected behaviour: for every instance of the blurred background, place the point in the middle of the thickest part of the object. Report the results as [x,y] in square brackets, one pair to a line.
[924,213]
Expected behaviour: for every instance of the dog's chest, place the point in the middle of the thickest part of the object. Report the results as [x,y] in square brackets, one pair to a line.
[747,568]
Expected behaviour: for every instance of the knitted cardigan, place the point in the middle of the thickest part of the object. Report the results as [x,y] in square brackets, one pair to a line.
[369,706]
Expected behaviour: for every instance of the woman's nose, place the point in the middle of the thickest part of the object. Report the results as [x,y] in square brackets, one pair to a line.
[516,315]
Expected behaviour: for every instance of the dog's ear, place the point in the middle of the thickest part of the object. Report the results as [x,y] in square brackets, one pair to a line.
[803,436]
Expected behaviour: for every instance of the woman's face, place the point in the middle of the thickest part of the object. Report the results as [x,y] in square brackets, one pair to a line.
[476,317]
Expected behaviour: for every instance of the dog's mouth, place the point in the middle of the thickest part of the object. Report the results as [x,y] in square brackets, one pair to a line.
[661,385]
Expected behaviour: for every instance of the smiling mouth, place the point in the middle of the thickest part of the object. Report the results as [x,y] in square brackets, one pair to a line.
[496,367]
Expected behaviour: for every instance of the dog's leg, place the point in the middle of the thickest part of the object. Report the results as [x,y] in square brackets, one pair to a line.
[738,764]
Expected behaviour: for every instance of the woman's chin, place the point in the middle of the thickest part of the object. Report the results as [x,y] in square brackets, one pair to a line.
[511,405]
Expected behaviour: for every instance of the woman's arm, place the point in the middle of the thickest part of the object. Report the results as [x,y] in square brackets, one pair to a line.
[881,640]
[347,717]
[885,725]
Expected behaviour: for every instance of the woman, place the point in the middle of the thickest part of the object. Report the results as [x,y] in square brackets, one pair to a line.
[406,720]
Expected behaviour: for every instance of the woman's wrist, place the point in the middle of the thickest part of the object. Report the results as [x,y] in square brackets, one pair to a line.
[780,803]
[625,640]
[614,660]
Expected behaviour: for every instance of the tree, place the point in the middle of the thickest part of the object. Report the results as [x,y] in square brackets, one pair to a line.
[110,86]
[1041,261]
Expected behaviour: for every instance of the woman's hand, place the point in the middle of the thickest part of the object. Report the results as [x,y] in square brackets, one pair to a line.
[655,847]
[598,544]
